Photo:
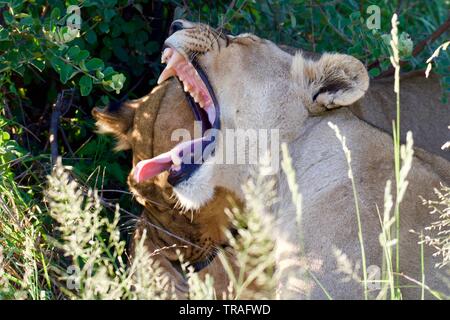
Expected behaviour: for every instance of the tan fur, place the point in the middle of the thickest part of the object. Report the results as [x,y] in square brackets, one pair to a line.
[258,86]
[144,126]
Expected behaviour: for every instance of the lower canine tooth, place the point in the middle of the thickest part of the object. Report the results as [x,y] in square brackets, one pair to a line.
[176,159]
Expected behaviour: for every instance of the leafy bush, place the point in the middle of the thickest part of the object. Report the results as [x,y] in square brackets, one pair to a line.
[341,26]
[108,51]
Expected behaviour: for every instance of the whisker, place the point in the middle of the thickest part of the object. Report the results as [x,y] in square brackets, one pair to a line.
[117,191]
[110,205]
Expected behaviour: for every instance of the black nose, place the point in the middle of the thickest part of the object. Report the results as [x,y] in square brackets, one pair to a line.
[177,25]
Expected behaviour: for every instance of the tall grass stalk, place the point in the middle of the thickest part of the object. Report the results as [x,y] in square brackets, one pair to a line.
[348,157]
[253,246]
[296,197]
[93,246]
[26,257]
[395,61]
[289,171]
[422,268]
[386,242]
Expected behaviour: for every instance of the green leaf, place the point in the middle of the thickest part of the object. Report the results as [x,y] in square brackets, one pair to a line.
[20,70]
[109,71]
[99,75]
[355,16]
[5,136]
[116,171]
[108,14]
[85,85]
[83,55]
[385,64]
[57,64]
[129,27]
[91,37]
[26,21]
[94,64]
[374,72]
[73,52]
[66,73]
[105,100]
[121,53]
[117,82]
[8,17]
[293,20]
[56,14]
[104,27]
[4,34]
[38,64]
[152,47]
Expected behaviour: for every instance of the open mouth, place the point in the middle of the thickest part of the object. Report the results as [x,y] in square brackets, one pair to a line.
[186,157]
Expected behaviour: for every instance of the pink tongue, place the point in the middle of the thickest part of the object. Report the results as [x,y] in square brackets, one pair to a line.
[147,169]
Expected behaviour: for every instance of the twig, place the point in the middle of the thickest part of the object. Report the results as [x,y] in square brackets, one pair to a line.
[326,4]
[234,13]
[66,141]
[186,6]
[336,30]
[439,31]
[417,50]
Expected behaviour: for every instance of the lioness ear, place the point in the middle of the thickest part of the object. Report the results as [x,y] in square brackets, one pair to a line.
[116,121]
[333,81]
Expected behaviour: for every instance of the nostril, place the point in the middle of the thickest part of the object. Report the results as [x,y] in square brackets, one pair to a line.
[176,26]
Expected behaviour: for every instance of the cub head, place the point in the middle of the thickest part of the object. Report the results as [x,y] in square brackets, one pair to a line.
[145,126]
[242,83]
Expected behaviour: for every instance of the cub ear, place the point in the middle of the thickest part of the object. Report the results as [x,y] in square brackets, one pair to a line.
[116,120]
[334,80]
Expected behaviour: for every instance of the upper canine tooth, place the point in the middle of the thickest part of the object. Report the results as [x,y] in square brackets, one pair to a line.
[166,74]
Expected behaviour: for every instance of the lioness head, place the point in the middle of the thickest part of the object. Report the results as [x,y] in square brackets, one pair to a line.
[243,82]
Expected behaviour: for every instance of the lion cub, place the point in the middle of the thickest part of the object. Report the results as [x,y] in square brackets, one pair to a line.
[142,126]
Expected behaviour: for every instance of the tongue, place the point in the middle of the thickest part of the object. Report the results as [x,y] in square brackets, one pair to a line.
[147,169]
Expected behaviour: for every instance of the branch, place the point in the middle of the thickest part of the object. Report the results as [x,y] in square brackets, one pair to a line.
[439,31]
[336,30]
[230,7]
[417,50]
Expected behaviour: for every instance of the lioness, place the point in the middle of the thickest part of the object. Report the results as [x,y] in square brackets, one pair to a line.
[245,82]
[141,125]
